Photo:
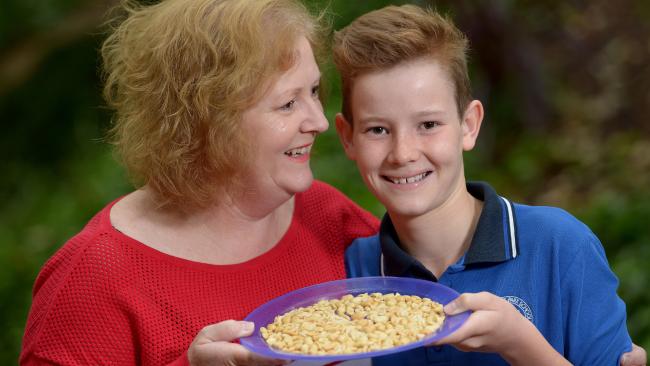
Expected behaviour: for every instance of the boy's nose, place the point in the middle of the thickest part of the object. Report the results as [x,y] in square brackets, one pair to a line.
[404,150]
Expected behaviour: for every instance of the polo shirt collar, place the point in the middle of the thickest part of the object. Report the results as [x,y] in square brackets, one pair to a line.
[494,239]
[395,261]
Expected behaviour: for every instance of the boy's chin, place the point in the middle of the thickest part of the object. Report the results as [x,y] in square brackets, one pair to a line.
[403,209]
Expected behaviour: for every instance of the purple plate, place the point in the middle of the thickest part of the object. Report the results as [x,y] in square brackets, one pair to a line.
[265,314]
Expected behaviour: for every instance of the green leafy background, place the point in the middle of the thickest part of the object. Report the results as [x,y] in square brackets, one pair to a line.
[566,86]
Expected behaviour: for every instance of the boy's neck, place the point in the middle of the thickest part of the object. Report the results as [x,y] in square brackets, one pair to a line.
[440,237]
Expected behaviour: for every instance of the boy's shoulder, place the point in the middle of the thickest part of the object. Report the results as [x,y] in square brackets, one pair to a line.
[549,222]
[547,218]
[365,245]
[552,225]
[506,230]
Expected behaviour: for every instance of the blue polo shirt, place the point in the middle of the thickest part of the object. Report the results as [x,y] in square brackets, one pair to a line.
[545,262]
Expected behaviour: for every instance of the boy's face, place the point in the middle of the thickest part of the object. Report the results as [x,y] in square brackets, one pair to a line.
[408,138]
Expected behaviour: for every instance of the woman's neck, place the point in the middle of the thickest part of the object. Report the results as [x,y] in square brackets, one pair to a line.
[440,237]
[229,232]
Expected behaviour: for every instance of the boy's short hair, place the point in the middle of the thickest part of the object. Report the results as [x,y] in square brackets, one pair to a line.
[179,75]
[384,38]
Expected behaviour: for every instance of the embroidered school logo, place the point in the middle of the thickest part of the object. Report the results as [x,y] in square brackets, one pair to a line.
[521,305]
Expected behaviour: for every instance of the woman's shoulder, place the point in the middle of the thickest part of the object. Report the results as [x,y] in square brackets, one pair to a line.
[320,188]
[85,252]
[90,286]
[325,197]
[328,198]
[324,203]
[74,275]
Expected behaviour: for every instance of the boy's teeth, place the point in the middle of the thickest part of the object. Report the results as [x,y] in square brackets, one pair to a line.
[413,179]
[299,151]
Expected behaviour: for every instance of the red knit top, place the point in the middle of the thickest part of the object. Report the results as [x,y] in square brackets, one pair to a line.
[105,298]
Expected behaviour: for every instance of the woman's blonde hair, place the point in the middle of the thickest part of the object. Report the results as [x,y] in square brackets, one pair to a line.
[386,37]
[180,74]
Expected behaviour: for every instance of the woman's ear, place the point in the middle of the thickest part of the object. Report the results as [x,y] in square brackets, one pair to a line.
[471,124]
[344,130]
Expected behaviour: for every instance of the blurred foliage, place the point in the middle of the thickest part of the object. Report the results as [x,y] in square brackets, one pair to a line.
[565,84]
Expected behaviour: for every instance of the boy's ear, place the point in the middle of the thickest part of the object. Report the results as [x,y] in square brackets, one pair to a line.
[471,124]
[344,129]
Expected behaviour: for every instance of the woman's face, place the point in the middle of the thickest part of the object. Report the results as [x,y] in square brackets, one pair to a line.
[282,127]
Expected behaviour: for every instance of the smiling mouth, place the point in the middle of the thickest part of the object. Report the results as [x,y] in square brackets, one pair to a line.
[407,180]
[293,153]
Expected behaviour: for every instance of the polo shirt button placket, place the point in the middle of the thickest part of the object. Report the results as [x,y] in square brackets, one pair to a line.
[445,279]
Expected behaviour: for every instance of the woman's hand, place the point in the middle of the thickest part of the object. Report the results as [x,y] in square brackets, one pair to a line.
[496,326]
[213,346]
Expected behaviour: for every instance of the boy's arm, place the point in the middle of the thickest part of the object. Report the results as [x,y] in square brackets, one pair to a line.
[496,326]
[595,317]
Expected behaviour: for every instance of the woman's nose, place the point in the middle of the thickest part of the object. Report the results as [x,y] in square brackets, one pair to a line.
[315,120]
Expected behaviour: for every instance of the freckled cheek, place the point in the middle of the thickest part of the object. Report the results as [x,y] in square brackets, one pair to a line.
[276,126]
[443,151]
[277,134]
[370,157]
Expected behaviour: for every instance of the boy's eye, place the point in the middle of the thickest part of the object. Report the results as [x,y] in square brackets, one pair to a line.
[377,130]
[288,106]
[430,125]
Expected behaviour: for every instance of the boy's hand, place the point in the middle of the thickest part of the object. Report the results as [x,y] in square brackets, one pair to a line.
[492,327]
[636,357]
[496,326]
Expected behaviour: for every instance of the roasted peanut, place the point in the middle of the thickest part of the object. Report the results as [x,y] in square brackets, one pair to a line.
[354,324]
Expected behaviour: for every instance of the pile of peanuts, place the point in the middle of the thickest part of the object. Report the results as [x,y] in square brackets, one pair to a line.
[353,324]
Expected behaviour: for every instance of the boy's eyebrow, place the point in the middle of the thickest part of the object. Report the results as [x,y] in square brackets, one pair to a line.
[371,119]
[419,114]
[428,112]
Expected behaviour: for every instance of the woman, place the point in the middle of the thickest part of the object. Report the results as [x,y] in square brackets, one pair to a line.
[217,109]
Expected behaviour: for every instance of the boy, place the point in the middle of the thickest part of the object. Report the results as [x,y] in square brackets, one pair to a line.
[407,118]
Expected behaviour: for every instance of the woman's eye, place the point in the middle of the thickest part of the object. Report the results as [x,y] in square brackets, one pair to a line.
[315,90]
[377,130]
[288,106]
[430,125]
